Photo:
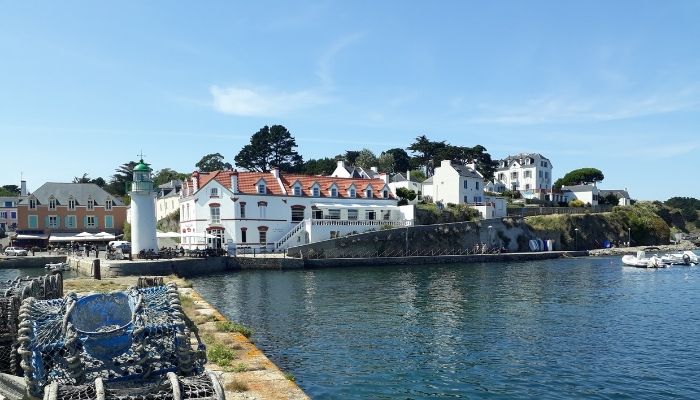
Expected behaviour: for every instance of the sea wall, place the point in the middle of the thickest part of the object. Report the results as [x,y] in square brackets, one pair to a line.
[29,261]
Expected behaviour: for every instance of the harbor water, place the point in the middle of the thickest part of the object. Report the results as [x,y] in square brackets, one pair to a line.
[569,328]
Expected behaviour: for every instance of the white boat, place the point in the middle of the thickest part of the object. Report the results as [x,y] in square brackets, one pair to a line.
[684,258]
[642,261]
[62,266]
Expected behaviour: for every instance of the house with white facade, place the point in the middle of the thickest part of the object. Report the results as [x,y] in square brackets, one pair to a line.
[623,197]
[400,180]
[274,211]
[588,194]
[168,198]
[8,209]
[343,170]
[528,173]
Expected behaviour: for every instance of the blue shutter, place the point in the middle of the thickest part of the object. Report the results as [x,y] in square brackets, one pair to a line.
[85,221]
[46,221]
[97,222]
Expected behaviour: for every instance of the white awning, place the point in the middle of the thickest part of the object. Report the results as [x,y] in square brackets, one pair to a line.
[332,205]
[30,237]
[167,234]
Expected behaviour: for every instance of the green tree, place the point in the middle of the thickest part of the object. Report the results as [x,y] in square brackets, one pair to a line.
[426,152]
[401,159]
[351,156]
[417,175]
[10,190]
[405,195]
[270,147]
[166,175]
[123,174]
[581,176]
[86,179]
[212,162]
[321,166]
[610,198]
[386,163]
[366,159]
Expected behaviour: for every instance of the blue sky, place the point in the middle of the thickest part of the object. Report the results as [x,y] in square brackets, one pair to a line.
[86,86]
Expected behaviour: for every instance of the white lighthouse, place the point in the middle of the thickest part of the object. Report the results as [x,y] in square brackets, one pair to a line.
[143,210]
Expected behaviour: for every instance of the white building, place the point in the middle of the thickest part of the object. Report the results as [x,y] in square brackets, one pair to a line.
[168,198]
[588,194]
[275,211]
[351,171]
[530,174]
[456,183]
[8,209]
[623,197]
[399,180]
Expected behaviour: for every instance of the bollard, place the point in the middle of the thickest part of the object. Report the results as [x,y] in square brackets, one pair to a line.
[96,273]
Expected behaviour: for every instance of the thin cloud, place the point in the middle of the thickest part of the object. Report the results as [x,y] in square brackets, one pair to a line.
[327,58]
[260,102]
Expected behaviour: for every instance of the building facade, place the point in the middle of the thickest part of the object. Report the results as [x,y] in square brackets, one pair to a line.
[8,209]
[528,173]
[168,198]
[69,208]
[274,211]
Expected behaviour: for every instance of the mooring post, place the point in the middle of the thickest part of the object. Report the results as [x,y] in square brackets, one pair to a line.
[96,273]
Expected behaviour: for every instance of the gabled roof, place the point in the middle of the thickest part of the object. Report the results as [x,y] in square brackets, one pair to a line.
[428,181]
[80,192]
[622,194]
[467,172]
[247,182]
[578,188]
[520,159]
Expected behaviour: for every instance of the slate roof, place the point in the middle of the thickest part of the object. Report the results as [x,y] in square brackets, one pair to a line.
[467,172]
[622,194]
[520,159]
[80,192]
[577,188]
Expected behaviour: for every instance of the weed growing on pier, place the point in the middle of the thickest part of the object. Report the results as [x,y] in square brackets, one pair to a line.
[228,326]
[240,367]
[290,376]
[220,354]
[234,385]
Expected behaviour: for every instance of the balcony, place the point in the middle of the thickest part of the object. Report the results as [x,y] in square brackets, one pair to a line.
[139,186]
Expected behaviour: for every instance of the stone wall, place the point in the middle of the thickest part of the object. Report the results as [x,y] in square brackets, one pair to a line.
[512,234]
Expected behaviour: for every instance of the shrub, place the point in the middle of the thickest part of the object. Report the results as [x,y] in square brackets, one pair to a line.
[576,203]
[228,326]
[220,354]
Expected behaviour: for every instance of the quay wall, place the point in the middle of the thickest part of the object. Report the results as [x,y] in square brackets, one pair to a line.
[29,261]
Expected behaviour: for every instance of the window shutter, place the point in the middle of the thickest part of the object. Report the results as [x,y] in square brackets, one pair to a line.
[85,221]
[46,221]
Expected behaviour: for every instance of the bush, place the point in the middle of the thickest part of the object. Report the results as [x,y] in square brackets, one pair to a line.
[576,203]
[228,326]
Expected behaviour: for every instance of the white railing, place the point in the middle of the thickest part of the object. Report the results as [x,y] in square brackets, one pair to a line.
[289,234]
[361,222]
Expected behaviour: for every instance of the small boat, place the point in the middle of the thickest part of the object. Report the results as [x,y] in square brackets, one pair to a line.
[642,261]
[62,266]
[684,258]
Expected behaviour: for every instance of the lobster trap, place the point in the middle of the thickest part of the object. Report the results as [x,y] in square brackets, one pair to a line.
[13,292]
[135,344]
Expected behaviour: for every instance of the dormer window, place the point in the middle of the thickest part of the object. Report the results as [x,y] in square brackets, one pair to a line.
[91,204]
[386,194]
[297,190]
[316,191]
[52,203]
[351,192]
[368,193]
[214,192]
[262,187]
[32,203]
[71,204]
[108,205]
[334,191]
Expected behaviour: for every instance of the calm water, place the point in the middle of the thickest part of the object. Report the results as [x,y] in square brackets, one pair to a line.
[573,328]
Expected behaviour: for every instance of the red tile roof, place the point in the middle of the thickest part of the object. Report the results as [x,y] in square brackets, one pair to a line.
[247,183]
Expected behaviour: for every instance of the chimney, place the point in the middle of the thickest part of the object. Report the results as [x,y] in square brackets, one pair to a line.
[471,165]
[408,175]
[275,172]
[195,182]
[446,163]
[234,182]
[23,188]
[341,163]
[384,177]
[374,169]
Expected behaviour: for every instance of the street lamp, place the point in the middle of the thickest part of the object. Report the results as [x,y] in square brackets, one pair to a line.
[576,240]
[629,237]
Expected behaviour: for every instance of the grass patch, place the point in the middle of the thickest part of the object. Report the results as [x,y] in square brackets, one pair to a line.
[228,326]
[290,377]
[84,285]
[220,354]
[235,385]
[240,367]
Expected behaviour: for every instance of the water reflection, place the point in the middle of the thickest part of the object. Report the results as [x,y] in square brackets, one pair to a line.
[574,328]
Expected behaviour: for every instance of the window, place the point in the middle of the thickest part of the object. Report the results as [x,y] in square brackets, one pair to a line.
[477,199]
[263,237]
[352,215]
[317,214]
[386,194]
[546,175]
[8,204]
[33,221]
[333,213]
[297,214]
[53,221]
[214,215]
[108,205]
[466,184]
[3,214]
[262,208]
[109,221]
[214,192]
[514,175]
[71,204]
[466,199]
[91,221]
[243,235]
[386,215]
[70,221]
[540,174]
[528,174]
[370,215]
[297,190]
[527,186]
[32,203]
[501,176]
[368,193]
[13,214]
[242,208]
[334,192]
[476,185]
[316,191]
[351,192]
[90,204]
[188,211]
[261,188]
[52,204]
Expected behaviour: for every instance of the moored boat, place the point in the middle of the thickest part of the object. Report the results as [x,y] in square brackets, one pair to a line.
[640,260]
[684,258]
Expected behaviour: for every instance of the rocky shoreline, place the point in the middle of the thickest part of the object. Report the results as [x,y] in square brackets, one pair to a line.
[664,248]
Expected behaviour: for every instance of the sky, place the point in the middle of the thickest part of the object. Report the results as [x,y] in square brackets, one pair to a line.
[614,85]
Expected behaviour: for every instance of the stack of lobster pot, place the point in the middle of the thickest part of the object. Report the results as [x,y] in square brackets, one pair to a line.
[134,344]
